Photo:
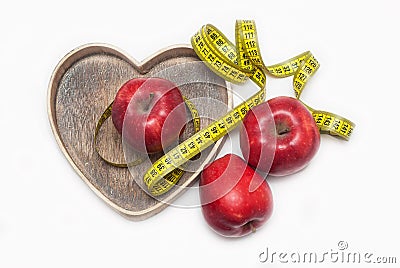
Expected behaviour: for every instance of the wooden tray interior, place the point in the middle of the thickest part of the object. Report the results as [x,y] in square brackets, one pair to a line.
[83,85]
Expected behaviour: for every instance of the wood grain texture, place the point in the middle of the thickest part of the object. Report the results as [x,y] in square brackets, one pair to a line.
[86,81]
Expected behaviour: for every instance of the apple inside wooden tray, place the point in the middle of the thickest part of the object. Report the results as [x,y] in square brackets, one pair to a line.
[86,81]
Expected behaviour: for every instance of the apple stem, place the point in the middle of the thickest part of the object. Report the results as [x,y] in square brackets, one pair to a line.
[253,229]
[151,97]
[282,129]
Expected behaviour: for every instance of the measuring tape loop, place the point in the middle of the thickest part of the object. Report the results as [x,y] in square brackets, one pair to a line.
[106,114]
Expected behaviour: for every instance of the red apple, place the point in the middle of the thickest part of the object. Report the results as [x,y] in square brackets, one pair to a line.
[229,205]
[283,121]
[152,112]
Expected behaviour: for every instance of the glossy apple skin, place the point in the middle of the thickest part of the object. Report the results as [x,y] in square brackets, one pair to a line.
[296,134]
[228,206]
[150,112]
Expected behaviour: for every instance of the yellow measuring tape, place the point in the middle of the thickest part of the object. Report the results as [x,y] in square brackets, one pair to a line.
[235,63]
[238,63]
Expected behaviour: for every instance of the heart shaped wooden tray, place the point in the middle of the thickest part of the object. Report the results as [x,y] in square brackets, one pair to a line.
[86,81]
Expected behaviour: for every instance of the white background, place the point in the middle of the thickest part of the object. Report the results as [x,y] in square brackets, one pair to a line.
[350,191]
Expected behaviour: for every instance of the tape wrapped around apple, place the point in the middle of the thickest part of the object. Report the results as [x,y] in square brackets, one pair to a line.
[150,112]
